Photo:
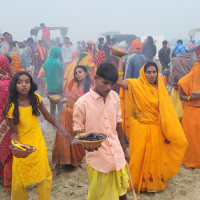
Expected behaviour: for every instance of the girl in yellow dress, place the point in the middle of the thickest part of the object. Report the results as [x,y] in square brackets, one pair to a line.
[22,111]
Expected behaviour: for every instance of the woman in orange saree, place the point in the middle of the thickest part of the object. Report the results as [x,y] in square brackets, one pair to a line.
[156,140]
[191,112]
[63,151]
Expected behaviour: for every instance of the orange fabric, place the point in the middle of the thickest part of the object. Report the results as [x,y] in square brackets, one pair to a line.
[63,151]
[164,80]
[41,83]
[156,140]
[41,51]
[136,45]
[17,65]
[69,72]
[41,73]
[191,126]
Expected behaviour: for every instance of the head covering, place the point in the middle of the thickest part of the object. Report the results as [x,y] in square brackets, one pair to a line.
[90,42]
[150,40]
[54,52]
[4,65]
[100,57]
[179,49]
[83,59]
[151,109]
[16,63]
[136,45]
[4,37]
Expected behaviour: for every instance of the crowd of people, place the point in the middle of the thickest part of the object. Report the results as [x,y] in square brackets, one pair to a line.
[127,98]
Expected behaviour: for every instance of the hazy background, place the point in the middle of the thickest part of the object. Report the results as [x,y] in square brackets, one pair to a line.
[86,19]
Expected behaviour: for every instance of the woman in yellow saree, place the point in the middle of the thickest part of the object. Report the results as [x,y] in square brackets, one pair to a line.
[156,140]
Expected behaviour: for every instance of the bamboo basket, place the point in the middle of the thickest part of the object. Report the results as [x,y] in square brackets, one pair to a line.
[54,99]
[116,51]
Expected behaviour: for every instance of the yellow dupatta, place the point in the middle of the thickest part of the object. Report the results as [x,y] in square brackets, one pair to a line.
[157,141]
[150,105]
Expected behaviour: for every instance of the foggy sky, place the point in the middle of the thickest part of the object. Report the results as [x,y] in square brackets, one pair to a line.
[87,19]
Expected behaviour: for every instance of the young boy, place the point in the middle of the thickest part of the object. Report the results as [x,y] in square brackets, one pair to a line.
[98,111]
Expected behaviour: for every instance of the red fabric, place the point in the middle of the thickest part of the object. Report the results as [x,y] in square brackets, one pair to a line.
[4,37]
[4,85]
[7,173]
[75,54]
[198,51]
[81,91]
[100,57]
[46,34]
[4,64]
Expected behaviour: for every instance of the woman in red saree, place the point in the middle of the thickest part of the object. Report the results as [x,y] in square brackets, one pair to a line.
[63,151]
[5,134]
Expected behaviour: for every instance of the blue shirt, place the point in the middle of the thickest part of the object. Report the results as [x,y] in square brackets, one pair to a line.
[135,62]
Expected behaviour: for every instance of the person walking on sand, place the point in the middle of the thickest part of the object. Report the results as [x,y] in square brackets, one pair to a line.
[106,167]
[22,111]
[54,77]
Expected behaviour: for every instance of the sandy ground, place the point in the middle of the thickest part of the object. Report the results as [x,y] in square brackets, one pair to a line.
[72,183]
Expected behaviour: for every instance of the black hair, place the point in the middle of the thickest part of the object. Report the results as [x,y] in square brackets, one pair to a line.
[179,41]
[150,63]
[164,42]
[9,58]
[42,24]
[8,34]
[108,38]
[13,96]
[150,40]
[87,78]
[30,40]
[101,39]
[107,71]
[114,39]
[66,38]
[41,42]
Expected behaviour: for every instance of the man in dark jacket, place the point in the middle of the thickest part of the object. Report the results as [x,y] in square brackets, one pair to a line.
[164,56]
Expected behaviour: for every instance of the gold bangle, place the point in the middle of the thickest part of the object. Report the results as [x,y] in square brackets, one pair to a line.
[120,73]
[189,98]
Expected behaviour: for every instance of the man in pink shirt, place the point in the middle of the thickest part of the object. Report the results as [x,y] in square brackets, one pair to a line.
[98,111]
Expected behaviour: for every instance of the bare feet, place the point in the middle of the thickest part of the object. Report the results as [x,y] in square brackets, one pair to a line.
[55,172]
[83,166]
[190,168]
